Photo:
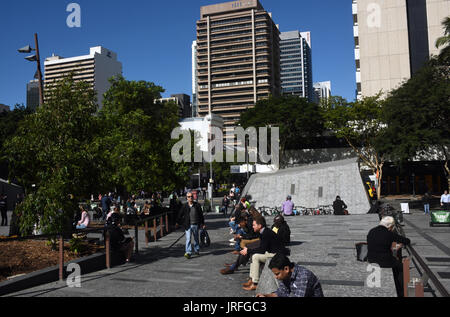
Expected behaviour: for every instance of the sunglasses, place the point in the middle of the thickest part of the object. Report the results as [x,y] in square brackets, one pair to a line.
[189,196]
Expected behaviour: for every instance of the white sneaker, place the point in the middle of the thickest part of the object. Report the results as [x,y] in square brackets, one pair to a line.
[231,244]
[231,240]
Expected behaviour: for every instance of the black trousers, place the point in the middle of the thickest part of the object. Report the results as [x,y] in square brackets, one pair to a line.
[397,271]
[4,217]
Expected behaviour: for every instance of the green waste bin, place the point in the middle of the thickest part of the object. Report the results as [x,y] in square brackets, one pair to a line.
[440,218]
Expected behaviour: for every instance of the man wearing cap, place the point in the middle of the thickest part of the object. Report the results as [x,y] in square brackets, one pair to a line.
[380,241]
[288,206]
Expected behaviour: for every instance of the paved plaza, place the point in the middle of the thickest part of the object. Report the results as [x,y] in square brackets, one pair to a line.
[323,244]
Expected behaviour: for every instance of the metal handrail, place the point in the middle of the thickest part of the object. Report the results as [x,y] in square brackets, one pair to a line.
[428,271]
[442,290]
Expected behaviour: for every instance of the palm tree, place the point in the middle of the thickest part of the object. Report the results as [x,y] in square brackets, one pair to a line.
[444,41]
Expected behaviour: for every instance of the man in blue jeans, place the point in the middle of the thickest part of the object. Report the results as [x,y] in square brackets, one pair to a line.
[191,218]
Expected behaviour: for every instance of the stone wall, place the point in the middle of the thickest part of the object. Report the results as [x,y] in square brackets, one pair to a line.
[311,186]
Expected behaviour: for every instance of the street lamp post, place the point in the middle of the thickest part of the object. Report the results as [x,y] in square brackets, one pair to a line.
[35,58]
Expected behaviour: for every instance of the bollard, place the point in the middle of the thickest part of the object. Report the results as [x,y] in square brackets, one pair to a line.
[161,226]
[167,223]
[108,250]
[406,275]
[61,258]
[154,229]
[136,238]
[419,289]
[146,233]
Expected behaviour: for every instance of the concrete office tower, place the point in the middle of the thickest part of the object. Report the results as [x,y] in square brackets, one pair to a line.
[184,104]
[393,39]
[96,69]
[33,94]
[296,64]
[194,80]
[237,59]
[322,91]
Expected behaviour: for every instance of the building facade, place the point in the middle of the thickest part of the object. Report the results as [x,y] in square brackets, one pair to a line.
[322,91]
[237,59]
[33,94]
[96,69]
[296,64]
[393,39]
[194,80]
[184,104]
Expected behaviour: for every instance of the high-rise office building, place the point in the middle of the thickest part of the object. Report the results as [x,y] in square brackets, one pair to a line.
[194,80]
[296,64]
[33,94]
[184,104]
[322,91]
[237,59]
[393,39]
[96,69]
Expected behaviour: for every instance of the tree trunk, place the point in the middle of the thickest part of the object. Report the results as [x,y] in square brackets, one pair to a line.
[379,179]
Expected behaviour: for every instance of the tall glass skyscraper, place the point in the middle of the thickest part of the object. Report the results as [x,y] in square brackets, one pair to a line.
[296,64]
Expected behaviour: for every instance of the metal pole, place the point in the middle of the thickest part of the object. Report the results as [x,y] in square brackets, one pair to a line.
[41,86]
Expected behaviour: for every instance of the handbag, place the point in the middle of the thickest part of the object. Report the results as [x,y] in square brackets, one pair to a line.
[205,241]
[362,251]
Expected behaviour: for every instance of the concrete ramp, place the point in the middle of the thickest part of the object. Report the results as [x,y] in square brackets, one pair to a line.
[311,186]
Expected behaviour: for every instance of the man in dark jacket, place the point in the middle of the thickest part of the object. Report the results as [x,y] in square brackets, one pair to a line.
[380,242]
[268,247]
[339,206]
[191,218]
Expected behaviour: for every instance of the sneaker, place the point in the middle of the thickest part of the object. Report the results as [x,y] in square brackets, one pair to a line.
[232,240]
[187,256]
[197,253]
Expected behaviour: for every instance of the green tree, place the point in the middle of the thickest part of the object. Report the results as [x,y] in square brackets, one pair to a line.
[444,41]
[299,121]
[53,156]
[9,123]
[361,124]
[136,136]
[417,115]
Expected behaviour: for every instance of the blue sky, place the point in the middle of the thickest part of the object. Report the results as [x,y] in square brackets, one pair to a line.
[153,38]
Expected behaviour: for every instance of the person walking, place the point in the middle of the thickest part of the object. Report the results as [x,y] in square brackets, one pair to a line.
[225,204]
[106,206]
[445,201]
[426,202]
[3,209]
[191,218]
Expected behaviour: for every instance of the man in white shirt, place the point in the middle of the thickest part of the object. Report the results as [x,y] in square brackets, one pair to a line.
[445,201]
